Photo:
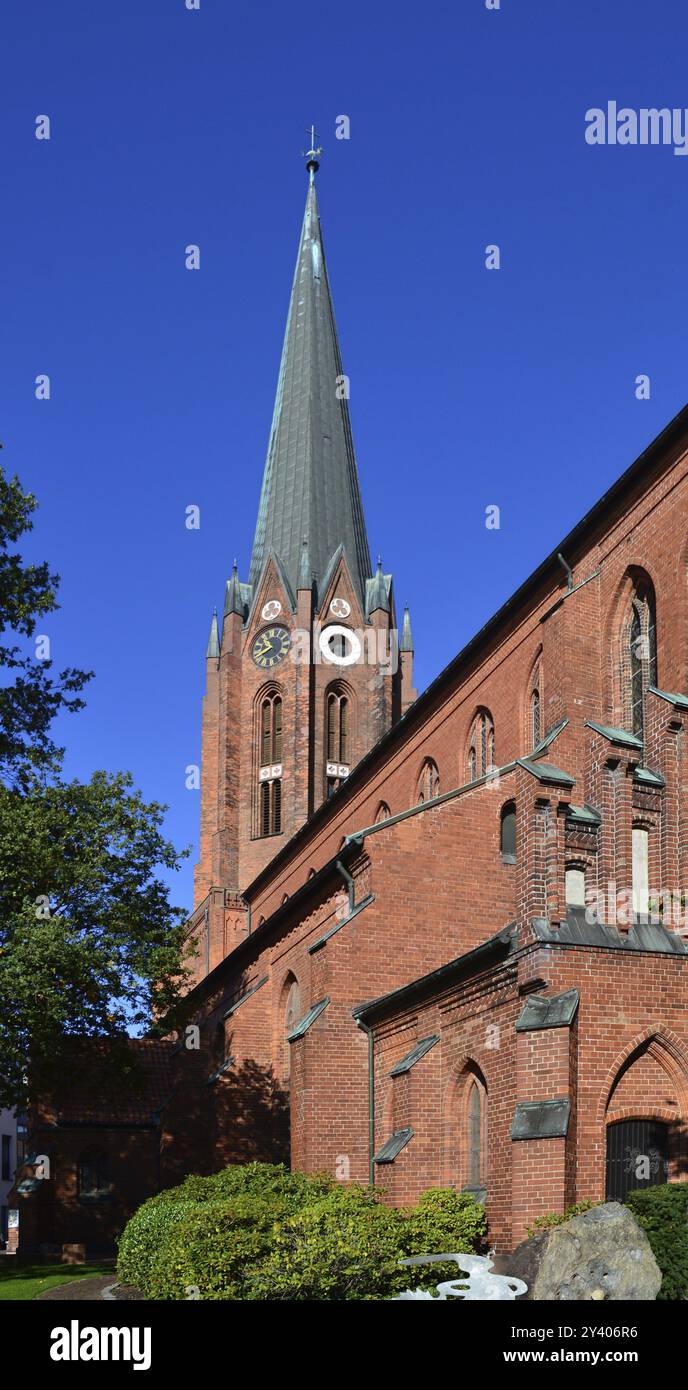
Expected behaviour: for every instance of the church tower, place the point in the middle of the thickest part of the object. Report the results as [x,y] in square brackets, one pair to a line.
[303,674]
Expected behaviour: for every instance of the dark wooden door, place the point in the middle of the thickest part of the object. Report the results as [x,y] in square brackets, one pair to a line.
[637,1156]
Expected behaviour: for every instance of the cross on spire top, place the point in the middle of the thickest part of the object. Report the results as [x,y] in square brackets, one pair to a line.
[312,155]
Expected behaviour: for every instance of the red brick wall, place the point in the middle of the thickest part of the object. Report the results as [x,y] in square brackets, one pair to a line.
[440,887]
[626,1055]
[55,1214]
[232,850]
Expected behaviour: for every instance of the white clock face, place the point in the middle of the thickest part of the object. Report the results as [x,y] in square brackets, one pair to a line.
[339,645]
[340,608]
[271,610]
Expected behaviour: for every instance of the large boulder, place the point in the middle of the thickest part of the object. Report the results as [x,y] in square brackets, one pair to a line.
[601,1254]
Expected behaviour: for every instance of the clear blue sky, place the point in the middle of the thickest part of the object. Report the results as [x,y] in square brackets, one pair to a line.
[469,387]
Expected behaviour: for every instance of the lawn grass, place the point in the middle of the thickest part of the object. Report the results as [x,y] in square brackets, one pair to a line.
[25,1281]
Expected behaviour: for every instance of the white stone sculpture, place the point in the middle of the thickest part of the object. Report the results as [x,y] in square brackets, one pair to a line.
[480,1284]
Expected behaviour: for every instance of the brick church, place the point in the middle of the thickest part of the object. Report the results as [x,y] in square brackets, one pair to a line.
[440,939]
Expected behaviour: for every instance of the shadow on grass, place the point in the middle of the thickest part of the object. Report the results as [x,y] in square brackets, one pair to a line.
[19,1280]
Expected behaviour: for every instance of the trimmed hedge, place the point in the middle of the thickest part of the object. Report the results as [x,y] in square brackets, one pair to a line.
[253,1180]
[211,1252]
[257,1231]
[348,1246]
[662,1212]
[149,1229]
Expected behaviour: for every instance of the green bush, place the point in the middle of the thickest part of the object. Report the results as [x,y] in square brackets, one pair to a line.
[145,1235]
[445,1220]
[163,1250]
[215,1247]
[345,1246]
[348,1246]
[257,1231]
[251,1179]
[662,1212]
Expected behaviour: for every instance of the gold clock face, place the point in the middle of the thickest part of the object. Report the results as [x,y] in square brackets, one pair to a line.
[271,647]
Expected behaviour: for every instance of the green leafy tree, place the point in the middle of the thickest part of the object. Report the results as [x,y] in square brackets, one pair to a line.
[90,945]
[30,695]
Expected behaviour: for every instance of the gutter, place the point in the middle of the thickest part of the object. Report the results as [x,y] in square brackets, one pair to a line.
[567,568]
[350,885]
[371,1099]
[503,943]
[358,836]
[331,866]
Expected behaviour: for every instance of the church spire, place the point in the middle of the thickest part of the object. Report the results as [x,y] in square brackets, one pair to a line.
[310,481]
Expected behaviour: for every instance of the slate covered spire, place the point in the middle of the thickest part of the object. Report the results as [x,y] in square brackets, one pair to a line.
[234,599]
[378,595]
[213,648]
[406,644]
[310,482]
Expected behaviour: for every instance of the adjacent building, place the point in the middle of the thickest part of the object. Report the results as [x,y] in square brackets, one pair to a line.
[11,1155]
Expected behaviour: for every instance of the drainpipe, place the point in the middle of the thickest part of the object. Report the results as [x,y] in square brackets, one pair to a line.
[371,1100]
[569,571]
[349,883]
[248,920]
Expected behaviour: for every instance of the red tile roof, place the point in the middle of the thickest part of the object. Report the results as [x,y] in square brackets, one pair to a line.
[100,1091]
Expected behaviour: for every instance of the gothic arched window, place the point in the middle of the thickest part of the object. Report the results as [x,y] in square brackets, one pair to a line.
[337,727]
[428,782]
[268,807]
[535,721]
[474,1137]
[337,736]
[481,754]
[383,812]
[291,1013]
[639,654]
[271,730]
[476,1134]
[507,831]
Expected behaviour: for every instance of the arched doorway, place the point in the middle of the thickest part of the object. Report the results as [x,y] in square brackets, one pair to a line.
[637,1156]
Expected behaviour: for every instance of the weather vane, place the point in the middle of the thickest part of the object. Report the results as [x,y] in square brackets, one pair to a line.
[312,155]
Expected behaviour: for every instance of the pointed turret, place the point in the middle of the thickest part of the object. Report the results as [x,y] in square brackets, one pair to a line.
[214,639]
[310,481]
[378,591]
[408,691]
[234,598]
[406,643]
